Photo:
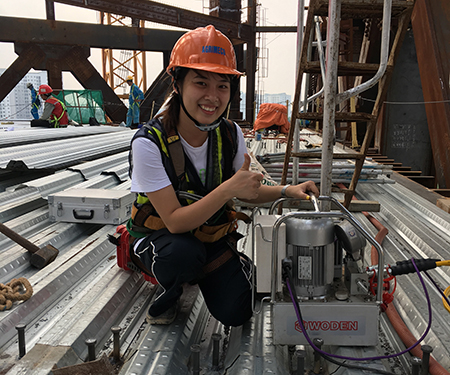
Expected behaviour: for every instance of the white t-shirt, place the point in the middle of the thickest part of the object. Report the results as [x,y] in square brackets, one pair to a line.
[149,174]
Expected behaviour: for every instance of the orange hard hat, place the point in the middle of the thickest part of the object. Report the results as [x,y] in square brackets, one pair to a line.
[45,89]
[204,48]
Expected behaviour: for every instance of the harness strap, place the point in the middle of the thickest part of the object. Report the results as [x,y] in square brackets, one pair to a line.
[143,216]
[213,233]
[216,263]
[132,95]
[176,154]
[55,119]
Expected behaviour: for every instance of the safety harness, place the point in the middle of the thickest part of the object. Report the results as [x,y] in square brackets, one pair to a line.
[53,118]
[35,101]
[222,148]
[132,95]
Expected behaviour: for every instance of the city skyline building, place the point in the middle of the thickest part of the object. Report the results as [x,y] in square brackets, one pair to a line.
[17,104]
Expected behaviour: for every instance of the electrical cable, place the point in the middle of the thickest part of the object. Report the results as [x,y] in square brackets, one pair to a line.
[334,372]
[325,355]
[444,294]
[391,312]
[443,263]
[405,103]
[20,110]
[321,352]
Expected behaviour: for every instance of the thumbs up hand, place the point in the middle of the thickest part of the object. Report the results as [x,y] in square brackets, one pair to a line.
[246,165]
[245,183]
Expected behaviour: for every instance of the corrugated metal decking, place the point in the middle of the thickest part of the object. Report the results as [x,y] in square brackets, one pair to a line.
[83,293]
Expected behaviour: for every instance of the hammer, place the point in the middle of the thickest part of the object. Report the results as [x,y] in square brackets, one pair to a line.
[40,257]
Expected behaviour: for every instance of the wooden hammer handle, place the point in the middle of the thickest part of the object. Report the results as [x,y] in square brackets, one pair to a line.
[31,247]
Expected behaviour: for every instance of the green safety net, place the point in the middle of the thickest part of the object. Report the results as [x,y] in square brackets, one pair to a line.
[83,104]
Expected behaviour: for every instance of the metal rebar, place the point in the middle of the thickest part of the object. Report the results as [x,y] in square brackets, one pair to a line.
[426,352]
[195,353]
[301,355]
[415,364]
[116,341]
[91,348]
[318,342]
[216,337]
[21,335]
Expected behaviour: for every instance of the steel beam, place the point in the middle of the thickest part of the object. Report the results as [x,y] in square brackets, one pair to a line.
[19,68]
[155,96]
[231,10]
[90,78]
[50,9]
[276,29]
[165,14]
[431,27]
[16,29]
[58,58]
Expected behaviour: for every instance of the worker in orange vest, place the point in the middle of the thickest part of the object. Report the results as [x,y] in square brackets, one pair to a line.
[55,112]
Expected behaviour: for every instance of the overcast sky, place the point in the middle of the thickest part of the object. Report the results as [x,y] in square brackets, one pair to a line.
[282,48]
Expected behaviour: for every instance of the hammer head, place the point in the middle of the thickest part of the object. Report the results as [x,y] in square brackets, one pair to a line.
[44,256]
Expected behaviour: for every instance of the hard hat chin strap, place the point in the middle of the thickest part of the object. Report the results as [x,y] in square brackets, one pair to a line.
[202,127]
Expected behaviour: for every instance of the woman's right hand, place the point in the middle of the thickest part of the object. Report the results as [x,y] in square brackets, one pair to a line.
[245,184]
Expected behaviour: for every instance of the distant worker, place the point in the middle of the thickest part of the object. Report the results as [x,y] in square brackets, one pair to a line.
[135,99]
[191,147]
[35,101]
[55,112]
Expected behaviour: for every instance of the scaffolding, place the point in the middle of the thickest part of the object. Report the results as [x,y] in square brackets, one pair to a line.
[117,65]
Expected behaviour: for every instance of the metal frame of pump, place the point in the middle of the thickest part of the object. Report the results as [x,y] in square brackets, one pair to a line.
[352,321]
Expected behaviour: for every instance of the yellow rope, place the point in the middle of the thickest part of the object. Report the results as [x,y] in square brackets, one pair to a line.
[16,290]
[443,263]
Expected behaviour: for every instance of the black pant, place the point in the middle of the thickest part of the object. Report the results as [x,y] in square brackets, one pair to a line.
[175,259]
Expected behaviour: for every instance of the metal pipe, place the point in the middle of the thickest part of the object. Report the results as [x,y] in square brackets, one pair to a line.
[315,203]
[300,26]
[21,338]
[195,352]
[116,341]
[386,25]
[321,59]
[216,337]
[330,84]
[307,75]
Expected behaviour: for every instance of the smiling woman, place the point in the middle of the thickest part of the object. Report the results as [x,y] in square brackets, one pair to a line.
[191,147]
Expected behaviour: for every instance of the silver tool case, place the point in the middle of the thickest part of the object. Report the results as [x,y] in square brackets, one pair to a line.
[97,206]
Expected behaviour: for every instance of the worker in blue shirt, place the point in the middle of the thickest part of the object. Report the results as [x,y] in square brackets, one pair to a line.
[135,99]
[35,101]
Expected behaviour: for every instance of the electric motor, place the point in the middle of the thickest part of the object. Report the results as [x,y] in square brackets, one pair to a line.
[310,245]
